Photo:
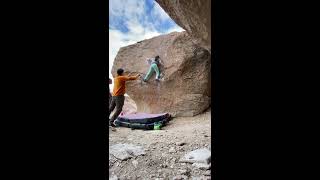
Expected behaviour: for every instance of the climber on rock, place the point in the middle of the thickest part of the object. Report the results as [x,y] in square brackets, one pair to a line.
[119,89]
[154,62]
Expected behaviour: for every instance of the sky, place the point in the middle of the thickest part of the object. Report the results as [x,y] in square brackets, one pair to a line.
[131,21]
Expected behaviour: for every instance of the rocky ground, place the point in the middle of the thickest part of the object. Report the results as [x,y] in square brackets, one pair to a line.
[158,153]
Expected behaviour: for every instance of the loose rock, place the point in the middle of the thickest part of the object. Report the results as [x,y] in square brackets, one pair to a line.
[197,156]
[183,172]
[172,150]
[207,173]
[180,177]
[180,143]
[126,151]
[135,163]
[202,166]
[114,177]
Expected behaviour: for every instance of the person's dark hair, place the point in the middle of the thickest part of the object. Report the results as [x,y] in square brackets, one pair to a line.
[157,58]
[120,71]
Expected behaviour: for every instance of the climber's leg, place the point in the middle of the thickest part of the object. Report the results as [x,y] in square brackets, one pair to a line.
[156,69]
[149,73]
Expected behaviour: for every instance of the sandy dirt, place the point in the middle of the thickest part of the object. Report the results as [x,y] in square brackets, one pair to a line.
[163,149]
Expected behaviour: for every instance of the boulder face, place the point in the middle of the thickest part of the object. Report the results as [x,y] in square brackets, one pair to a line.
[129,106]
[184,89]
[192,15]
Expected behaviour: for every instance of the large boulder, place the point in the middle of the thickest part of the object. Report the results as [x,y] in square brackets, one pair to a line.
[192,15]
[184,89]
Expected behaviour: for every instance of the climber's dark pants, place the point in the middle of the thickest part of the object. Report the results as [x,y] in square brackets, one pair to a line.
[116,102]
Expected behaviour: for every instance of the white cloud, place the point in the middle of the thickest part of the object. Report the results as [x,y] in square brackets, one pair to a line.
[126,8]
[135,27]
[158,12]
[174,29]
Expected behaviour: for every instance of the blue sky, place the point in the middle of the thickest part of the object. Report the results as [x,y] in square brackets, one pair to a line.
[131,21]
